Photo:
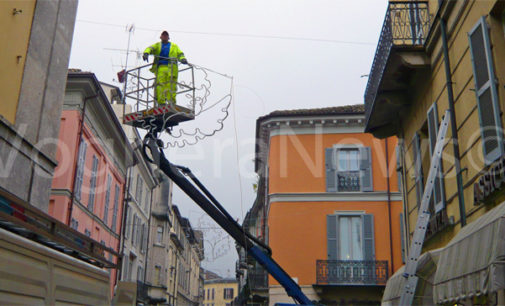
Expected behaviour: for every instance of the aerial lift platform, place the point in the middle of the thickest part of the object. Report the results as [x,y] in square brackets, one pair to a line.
[155,119]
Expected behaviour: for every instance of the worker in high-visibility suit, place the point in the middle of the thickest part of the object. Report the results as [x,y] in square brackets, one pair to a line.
[164,68]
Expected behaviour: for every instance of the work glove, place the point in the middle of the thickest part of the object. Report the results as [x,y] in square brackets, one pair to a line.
[145,57]
[184,61]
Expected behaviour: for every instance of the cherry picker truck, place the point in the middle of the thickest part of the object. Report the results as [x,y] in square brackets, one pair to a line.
[157,118]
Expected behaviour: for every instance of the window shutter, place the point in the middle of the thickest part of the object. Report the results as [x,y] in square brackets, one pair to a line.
[438,196]
[331,173]
[486,91]
[368,237]
[144,241]
[402,236]
[399,166]
[81,159]
[365,166]
[107,200]
[418,168]
[332,235]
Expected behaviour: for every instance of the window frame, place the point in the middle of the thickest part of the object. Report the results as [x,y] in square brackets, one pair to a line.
[92,183]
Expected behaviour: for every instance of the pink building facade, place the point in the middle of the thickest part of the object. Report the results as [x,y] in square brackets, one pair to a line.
[93,157]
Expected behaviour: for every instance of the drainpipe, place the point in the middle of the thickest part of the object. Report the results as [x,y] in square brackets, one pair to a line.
[389,205]
[81,131]
[454,128]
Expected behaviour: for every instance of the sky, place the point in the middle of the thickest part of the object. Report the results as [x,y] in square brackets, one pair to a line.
[270,55]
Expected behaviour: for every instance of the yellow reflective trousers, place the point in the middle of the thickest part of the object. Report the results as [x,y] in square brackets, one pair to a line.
[166,84]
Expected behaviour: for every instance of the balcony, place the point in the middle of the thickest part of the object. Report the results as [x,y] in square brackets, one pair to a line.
[399,61]
[258,279]
[351,272]
[142,292]
[348,180]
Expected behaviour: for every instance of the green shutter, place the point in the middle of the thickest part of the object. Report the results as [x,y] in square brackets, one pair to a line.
[365,166]
[402,236]
[438,196]
[332,236]
[331,173]
[418,168]
[399,166]
[486,91]
[368,237]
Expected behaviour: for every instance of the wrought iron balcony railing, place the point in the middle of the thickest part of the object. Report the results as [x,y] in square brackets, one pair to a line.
[406,24]
[351,272]
[348,180]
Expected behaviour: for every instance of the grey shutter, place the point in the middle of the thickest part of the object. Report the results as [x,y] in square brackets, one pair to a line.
[365,166]
[331,173]
[368,237]
[332,236]
[438,197]
[418,168]
[92,184]
[486,91]
[107,200]
[402,236]
[81,159]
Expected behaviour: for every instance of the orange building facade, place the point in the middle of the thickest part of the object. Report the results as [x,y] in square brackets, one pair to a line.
[331,202]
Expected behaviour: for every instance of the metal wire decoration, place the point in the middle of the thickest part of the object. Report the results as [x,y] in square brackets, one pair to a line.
[194,97]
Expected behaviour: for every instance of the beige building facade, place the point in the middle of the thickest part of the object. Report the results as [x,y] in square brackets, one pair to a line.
[437,59]
[220,292]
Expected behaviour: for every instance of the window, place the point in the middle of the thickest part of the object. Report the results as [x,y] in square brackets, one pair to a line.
[228,293]
[87,232]
[212,294]
[143,238]
[128,221]
[125,268]
[140,273]
[107,199]
[348,169]
[438,196]
[486,91]
[81,161]
[74,224]
[350,237]
[92,184]
[114,210]
[130,268]
[146,203]
[134,229]
[208,294]
[157,274]
[138,190]
[159,235]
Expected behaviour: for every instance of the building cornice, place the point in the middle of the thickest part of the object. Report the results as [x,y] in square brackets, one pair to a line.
[377,196]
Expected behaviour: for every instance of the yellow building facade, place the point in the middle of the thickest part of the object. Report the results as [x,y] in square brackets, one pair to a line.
[436,58]
[219,292]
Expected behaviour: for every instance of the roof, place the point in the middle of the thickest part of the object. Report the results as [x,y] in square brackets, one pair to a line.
[356,109]
[336,110]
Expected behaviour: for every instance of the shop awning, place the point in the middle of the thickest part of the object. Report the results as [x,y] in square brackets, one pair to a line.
[424,291]
[473,263]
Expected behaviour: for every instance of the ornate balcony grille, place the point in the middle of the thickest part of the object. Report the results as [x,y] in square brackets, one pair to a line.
[406,24]
[351,272]
[348,181]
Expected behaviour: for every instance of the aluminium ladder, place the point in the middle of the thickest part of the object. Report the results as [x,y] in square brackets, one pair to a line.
[407,295]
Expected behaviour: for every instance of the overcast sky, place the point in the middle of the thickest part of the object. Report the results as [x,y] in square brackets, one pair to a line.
[281,54]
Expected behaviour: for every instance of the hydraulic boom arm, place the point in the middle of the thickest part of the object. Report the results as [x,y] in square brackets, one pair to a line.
[210,205]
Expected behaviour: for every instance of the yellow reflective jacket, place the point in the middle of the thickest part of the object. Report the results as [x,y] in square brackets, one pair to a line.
[174,52]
